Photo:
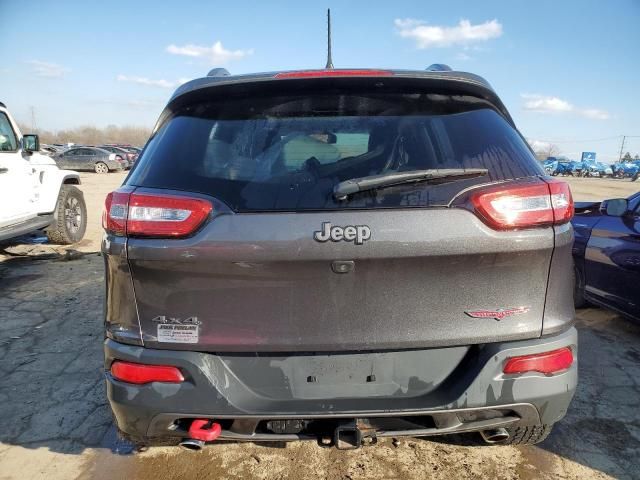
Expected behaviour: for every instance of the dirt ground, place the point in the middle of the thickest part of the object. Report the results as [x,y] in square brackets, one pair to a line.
[55,423]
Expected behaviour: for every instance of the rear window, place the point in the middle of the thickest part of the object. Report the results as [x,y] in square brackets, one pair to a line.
[286,153]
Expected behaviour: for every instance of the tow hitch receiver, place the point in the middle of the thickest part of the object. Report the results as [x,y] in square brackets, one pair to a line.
[352,435]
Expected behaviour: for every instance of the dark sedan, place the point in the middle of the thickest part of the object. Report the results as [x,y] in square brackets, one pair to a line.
[607,254]
[89,158]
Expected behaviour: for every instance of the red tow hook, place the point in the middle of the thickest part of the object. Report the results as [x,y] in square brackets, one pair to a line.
[204,430]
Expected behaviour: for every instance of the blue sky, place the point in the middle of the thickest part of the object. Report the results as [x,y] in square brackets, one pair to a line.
[568,71]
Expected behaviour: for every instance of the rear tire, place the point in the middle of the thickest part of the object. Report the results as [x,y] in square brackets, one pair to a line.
[527,435]
[101,167]
[71,217]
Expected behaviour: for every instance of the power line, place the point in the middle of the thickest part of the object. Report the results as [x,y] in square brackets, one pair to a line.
[617,137]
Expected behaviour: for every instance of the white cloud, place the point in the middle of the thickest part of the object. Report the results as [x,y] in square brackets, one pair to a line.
[216,54]
[152,83]
[546,104]
[538,145]
[46,69]
[463,57]
[554,105]
[595,114]
[464,33]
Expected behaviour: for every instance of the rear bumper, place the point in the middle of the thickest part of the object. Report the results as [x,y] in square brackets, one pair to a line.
[114,165]
[476,395]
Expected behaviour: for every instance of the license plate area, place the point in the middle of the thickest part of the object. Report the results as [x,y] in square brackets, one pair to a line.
[344,375]
[341,376]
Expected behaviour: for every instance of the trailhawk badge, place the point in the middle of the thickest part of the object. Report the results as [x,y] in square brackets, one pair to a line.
[497,314]
[357,234]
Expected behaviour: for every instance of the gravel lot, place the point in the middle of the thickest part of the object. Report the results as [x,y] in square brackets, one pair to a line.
[54,421]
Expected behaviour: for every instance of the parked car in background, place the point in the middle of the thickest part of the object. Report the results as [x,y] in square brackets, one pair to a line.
[596,169]
[606,252]
[131,152]
[562,167]
[626,170]
[550,164]
[121,153]
[135,151]
[50,150]
[576,167]
[90,158]
[331,255]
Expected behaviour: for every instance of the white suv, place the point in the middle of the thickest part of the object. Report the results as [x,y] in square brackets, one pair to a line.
[34,193]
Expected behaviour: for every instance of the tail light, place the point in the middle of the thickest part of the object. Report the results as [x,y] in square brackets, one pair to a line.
[140,374]
[153,215]
[547,362]
[514,206]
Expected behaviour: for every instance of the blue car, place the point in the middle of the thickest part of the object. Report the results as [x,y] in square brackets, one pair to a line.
[626,169]
[559,167]
[596,169]
[576,168]
[606,252]
[550,165]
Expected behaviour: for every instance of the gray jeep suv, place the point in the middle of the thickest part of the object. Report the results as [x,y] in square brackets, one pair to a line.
[338,255]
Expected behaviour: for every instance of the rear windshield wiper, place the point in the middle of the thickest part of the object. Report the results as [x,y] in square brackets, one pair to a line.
[374,182]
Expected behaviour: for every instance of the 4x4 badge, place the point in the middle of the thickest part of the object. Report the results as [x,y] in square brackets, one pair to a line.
[497,314]
[357,234]
[176,321]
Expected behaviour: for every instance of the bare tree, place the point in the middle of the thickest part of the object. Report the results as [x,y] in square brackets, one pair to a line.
[88,135]
[544,149]
[548,150]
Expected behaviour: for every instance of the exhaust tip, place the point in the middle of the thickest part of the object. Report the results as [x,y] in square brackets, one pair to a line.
[192,444]
[495,435]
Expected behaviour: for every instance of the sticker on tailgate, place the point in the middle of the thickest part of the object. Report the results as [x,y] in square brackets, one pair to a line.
[177,333]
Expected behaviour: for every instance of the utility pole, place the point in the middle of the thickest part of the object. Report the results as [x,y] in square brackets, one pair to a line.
[33,119]
[622,148]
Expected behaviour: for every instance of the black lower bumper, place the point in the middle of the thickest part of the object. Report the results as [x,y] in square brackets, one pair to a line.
[395,424]
[475,396]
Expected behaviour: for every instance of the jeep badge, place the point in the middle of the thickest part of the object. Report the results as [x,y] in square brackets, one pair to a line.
[357,234]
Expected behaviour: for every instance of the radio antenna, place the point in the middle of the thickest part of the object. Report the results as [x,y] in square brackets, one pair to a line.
[329,60]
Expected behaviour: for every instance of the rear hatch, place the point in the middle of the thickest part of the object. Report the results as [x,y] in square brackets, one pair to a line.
[281,264]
